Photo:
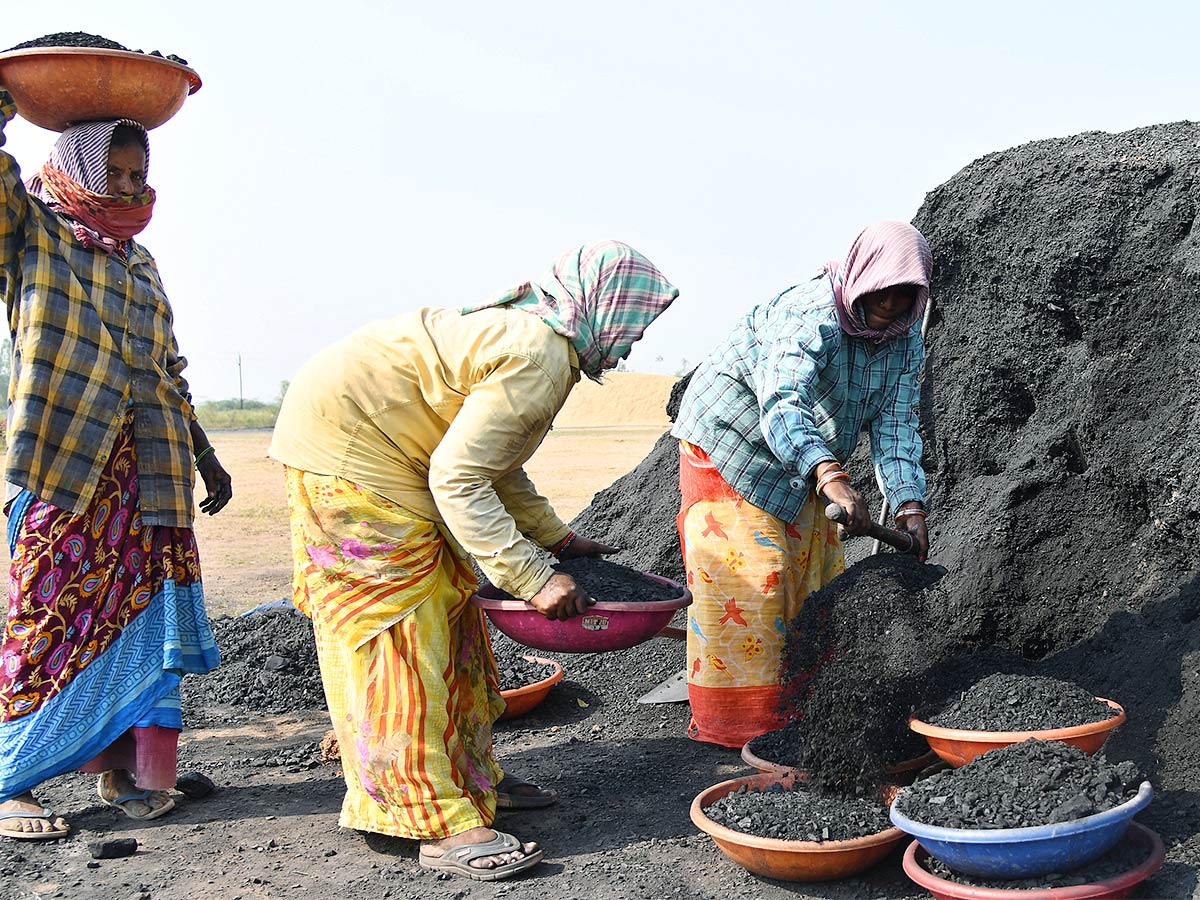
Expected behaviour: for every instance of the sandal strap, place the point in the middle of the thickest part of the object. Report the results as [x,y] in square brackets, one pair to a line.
[501,843]
[46,814]
[136,795]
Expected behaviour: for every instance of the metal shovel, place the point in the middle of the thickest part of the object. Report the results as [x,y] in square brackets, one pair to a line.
[675,688]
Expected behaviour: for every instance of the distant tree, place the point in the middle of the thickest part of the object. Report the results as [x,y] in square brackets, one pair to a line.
[283,386]
[683,368]
[5,370]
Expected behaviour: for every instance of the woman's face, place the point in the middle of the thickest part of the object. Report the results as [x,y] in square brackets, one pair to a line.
[126,171]
[883,307]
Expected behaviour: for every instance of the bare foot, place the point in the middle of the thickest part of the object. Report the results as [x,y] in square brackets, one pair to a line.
[117,782]
[27,804]
[477,836]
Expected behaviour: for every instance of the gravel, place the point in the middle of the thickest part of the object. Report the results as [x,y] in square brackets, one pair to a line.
[798,814]
[1004,702]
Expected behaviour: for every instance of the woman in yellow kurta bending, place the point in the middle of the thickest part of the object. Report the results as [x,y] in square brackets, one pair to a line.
[403,445]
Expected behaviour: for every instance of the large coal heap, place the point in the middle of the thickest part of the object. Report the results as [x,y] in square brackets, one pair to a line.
[1060,406]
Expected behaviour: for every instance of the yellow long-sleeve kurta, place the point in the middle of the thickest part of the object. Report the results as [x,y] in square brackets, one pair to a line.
[438,411]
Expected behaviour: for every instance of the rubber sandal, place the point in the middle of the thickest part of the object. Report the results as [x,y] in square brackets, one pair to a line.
[505,799]
[46,814]
[457,860]
[144,796]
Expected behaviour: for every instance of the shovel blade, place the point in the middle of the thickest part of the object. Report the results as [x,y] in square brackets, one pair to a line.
[673,690]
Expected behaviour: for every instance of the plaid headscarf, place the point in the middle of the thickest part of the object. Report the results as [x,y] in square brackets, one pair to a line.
[601,297]
[74,181]
[884,254]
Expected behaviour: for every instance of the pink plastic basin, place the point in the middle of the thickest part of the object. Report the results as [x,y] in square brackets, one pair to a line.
[605,626]
[1118,886]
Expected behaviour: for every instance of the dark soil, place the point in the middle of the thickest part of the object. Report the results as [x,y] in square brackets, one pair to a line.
[517,672]
[1030,783]
[1117,861]
[1022,703]
[83,39]
[798,815]
[614,583]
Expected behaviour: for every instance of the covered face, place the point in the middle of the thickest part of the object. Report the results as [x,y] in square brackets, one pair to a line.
[600,296]
[882,286]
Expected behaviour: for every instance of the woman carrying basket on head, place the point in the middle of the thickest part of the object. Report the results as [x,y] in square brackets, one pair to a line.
[105,607]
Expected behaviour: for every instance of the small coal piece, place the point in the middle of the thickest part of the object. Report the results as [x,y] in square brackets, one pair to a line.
[1022,703]
[115,848]
[518,672]
[615,583]
[795,814]
[1117,861]
[1021,785]
[195,785]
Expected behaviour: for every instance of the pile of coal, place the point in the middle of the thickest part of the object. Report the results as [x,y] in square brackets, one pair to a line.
[1019,786]
[1003,702]
[797,814]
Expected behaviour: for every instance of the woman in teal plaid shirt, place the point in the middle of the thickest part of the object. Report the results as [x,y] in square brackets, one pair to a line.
[766,426]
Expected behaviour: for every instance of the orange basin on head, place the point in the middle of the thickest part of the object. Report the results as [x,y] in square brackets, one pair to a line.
[790,860]
[519,701]
[959,746]
[55,87]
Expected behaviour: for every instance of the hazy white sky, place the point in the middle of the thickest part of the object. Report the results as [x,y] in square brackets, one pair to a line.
[355,160]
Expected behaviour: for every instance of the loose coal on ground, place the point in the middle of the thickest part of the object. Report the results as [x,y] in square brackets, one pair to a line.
[798,815]
[1021,785]
[83,39]
[1120,859]
[1003,702]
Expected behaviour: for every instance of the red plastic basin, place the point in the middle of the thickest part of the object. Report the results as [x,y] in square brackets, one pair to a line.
[519,701]
[1119,886]
[605,626]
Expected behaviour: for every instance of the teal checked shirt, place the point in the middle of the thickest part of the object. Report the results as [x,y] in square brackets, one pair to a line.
[788,389]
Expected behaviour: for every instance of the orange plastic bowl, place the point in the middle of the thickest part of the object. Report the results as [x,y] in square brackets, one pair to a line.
[901,774]
[519,701]
[959,746]
[55,87]
[790,860]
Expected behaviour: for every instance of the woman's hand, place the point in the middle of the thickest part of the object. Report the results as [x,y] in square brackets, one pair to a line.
[914,525]
[581,546]
[217,484]
[560,598]
[845,496]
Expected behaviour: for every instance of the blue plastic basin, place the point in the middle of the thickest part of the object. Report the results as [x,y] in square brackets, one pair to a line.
[1025,852]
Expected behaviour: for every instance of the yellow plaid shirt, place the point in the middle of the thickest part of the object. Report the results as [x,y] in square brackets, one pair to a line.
[91,334]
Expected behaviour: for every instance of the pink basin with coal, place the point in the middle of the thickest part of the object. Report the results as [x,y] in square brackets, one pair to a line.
[605,626]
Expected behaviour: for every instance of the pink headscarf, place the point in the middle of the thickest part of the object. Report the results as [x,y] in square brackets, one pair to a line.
[883,254]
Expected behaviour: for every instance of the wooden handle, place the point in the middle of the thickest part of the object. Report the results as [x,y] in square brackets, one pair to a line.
[901,540]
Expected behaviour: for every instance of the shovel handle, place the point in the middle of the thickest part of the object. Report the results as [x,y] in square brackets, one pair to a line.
[901,540]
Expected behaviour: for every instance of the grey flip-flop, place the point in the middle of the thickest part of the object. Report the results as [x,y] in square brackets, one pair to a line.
[46,814]
[505,799]
[457,860]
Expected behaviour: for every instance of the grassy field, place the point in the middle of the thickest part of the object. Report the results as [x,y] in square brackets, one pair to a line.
[603,432]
